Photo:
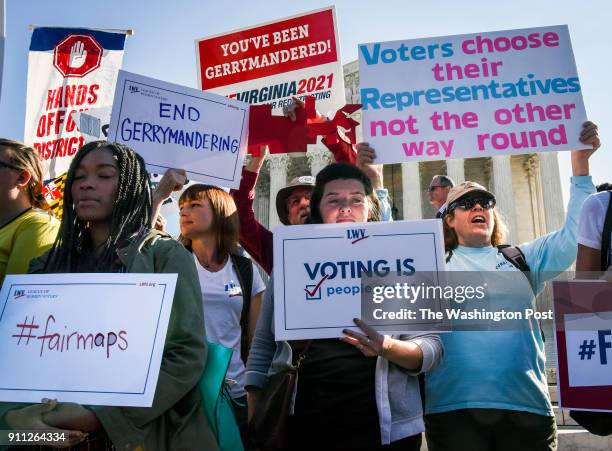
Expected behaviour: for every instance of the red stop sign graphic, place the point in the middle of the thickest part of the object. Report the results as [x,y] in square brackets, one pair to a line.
[77,55]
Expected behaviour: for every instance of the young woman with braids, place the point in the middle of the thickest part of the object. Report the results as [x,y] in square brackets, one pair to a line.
[105,228]
[24,232]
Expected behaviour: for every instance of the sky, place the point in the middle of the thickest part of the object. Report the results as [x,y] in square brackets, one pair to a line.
[163,44]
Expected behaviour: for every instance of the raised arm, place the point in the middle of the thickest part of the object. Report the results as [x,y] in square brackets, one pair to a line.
[555,252]
[254,237]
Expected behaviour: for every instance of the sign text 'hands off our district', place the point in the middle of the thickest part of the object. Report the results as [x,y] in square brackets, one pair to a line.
[476,95]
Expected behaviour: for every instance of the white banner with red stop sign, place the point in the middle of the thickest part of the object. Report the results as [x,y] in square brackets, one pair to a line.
[70,70]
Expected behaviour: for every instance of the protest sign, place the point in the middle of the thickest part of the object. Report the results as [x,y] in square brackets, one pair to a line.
[583,334]
[69,70]
[473,95]
[319,270]
[93,339]
[271,62]
[173,126]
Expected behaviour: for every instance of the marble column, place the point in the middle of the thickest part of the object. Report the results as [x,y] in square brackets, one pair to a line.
[411,190]
[261,206]
[455,169]
[502,188]
[278,179]
[318,157]
[532,169]
[551,191]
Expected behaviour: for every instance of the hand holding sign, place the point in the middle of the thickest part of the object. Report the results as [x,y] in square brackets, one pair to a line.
[365,161]
[69,415]
[580,158]
[30,417]
[370,344]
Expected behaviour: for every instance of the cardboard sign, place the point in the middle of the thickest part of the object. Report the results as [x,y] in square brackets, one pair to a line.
[69,70]
[473,95]
[93,339]
[172,126]
[583,320]
[319,270]
[271,62]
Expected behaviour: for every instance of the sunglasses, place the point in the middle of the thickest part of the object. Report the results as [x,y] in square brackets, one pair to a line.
[468,203]
[9,166]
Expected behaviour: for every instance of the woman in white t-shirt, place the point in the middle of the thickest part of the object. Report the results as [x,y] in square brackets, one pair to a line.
[209,229]
[590,233]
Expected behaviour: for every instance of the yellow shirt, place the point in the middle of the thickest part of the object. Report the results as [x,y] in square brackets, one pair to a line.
[24,238]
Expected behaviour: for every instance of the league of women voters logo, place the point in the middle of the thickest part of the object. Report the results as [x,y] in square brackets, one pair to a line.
[77,55]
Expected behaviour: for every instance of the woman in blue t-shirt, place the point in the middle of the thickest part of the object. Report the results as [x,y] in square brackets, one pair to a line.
[490,391]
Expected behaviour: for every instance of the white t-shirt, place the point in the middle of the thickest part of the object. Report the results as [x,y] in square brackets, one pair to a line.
[222,299]
[592,219]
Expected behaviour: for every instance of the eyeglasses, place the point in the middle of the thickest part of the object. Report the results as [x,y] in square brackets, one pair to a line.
[468,203]
[432,188]
[9,166]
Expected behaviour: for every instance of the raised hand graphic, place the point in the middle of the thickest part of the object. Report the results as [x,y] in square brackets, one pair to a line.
[78,55]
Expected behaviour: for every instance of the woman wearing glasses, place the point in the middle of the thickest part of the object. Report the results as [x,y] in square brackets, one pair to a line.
[24,232]
[490,391]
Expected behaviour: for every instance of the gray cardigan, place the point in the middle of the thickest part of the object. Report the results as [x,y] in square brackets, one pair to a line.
[396,389]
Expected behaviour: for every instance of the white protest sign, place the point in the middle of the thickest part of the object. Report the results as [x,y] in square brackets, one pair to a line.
[583,339]
[473,95]
[70,70]
[588,337]
[172,126]
[318,270]
[271,62]
[94,339]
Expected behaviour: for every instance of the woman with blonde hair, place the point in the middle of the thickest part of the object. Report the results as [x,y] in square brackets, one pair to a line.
[24,232]
[490,392]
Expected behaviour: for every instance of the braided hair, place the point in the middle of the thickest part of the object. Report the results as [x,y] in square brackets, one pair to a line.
[132,211]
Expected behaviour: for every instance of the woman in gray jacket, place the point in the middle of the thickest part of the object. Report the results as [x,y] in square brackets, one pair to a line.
[357,393]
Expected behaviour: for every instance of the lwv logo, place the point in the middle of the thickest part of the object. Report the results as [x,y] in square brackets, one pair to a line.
[356,235]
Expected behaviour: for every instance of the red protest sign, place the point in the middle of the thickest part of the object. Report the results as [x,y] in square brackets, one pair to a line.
[266,50]
[271,63]
[583,332]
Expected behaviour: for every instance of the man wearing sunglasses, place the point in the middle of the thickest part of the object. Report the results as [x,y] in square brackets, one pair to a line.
[438,192]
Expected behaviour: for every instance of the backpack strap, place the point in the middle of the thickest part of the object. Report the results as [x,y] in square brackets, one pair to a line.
[511,253]
[514,255]
[244,270]
[605,237]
